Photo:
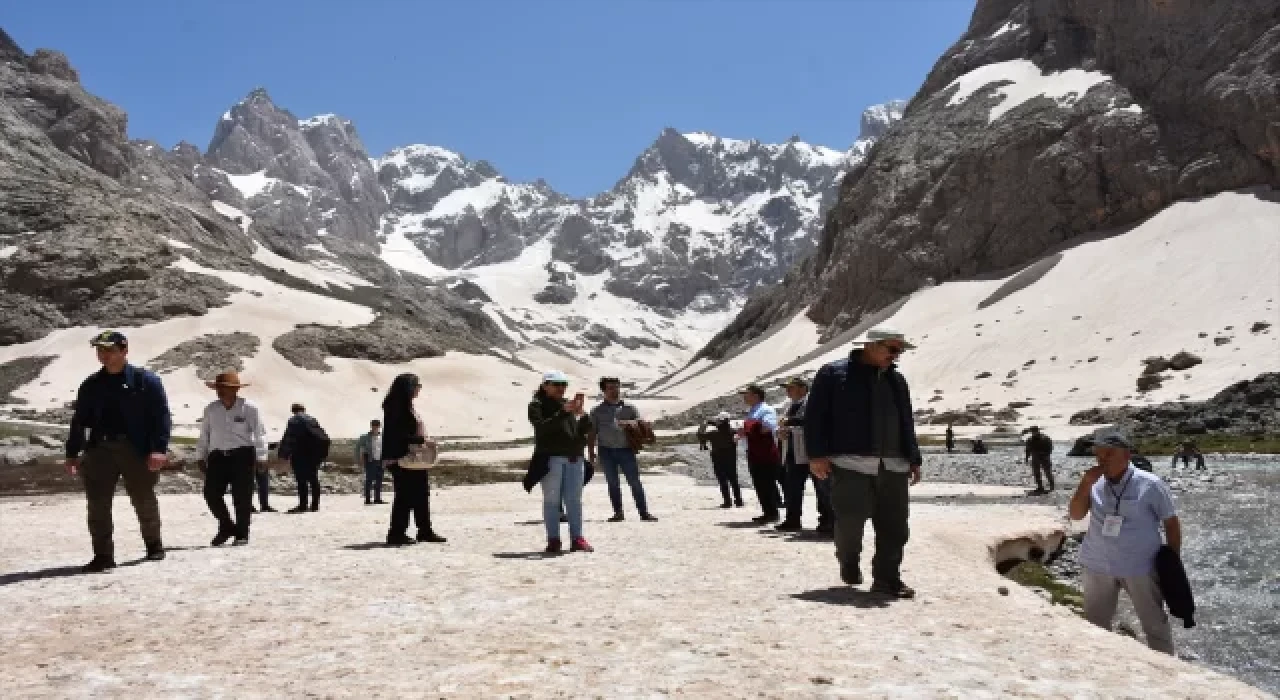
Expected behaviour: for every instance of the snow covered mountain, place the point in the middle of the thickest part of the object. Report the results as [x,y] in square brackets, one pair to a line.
[285,251]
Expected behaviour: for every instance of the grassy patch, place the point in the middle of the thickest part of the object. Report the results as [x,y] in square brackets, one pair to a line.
[1034,575]
[1239,444]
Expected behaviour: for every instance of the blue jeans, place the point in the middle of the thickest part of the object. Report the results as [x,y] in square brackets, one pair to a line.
[562,484]
[373,472]
[613,459]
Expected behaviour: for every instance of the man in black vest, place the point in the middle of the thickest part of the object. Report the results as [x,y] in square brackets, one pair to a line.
[126,414]
[306,446]
[860,432]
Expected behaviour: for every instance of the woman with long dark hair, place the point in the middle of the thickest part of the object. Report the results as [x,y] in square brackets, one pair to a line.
[401,430]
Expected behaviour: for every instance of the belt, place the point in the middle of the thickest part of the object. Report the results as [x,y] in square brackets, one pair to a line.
[231,451]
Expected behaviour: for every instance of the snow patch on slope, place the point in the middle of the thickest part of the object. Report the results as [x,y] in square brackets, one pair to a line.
[1197,267]
[1021,80]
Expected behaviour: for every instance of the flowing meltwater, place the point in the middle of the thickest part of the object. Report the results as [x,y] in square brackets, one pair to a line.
[1232,555]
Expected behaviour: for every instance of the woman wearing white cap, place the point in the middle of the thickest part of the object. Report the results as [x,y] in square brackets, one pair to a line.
[560,431]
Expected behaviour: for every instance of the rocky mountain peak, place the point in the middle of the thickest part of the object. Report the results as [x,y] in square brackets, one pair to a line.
[9,49]
[878,118]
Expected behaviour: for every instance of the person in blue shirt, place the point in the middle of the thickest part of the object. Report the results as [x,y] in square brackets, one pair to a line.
[125,413]
[1126,508]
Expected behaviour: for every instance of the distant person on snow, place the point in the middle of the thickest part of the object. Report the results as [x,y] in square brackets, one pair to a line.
[126,413]
[796,463]
[369,456]
[718,434]
[232,445]
[1039,455]
[1126,508]
[614,425]
[404,433]
[860,433]
[306,445]
[951,439]
[560,430]
[763,460]
[978,447]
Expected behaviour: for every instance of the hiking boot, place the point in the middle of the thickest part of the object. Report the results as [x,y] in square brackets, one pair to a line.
[98,565]
[268,509]
[253,509]
[553,546]
[315,507]
[367,502]
[580,544]
[431,536]
[399,540]
[851,575]
[155,552]
[648,518]
[617,518]
[297,509]
[240,542]
[789,526]
[221,538]
[898,590]
[765,519]
[739,504]
[726,504]
[379,502]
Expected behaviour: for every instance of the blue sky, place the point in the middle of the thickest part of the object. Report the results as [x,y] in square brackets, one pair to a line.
[570,91]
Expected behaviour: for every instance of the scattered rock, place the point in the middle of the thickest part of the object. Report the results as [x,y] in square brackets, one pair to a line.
[1183,361]
[1221,340]
[983,375]
[209,354]
[1259,327]
[1003,590]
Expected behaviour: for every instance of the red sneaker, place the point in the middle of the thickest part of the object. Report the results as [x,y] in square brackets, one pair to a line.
[580,544]
[553,546]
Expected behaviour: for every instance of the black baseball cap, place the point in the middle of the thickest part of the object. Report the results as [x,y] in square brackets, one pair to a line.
[109,339]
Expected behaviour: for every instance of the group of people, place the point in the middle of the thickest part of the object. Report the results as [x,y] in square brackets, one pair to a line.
[851,432]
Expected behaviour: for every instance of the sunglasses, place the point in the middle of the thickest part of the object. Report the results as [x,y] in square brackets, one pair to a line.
[894,349]
[559,384]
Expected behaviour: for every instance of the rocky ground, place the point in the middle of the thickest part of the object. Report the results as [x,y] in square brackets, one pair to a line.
[1245,408]
[695,604]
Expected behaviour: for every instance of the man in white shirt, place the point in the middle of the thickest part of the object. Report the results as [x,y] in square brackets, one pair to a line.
[233,442]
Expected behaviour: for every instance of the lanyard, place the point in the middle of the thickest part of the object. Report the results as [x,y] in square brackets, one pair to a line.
[1122,490]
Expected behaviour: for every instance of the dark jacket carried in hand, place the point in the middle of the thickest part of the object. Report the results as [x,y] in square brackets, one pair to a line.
[304,441]
[143,411]
[556,432]
[840,415]
[1175,587]
[399,432]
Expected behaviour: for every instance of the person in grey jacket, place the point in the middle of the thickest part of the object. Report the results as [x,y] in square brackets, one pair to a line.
[795,462]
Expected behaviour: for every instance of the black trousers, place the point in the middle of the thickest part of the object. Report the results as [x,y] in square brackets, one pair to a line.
[412,495]
[264,488]
[797,475]
[232,468]
[855,497]
[307,475]
[725,466]
[764,479]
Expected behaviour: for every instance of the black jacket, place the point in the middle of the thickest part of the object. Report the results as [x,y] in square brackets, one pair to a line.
[720,437]
[556,432]
[399,431]
[143,403]
[839,414]
[1175,587]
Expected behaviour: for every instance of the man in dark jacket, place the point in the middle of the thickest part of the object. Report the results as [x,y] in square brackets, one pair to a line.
[306,446]
[860,433]
[126,413]
[724,456]
[795,463]
[1040,456]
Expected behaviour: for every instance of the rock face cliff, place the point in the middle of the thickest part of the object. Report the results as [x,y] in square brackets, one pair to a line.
[1044,122]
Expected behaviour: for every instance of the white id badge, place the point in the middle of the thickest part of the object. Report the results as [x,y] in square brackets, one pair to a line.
[1111,525]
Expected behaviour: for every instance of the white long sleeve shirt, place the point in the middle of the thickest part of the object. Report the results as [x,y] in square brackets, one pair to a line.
[228,428]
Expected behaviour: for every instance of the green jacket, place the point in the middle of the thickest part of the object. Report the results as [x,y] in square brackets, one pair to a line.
[556,432]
